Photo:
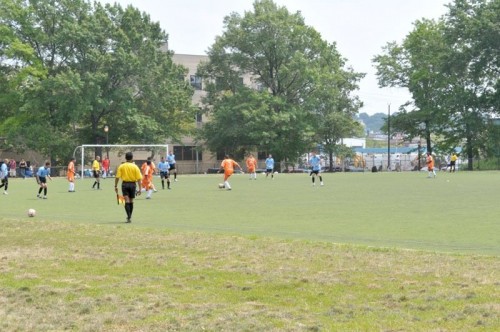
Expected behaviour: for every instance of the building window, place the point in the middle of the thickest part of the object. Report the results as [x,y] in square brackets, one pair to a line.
[195,82]
[186,153]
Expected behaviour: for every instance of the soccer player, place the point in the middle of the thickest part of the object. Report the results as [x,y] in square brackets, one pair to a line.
[430,165]
[270,166]
[71,175]
[131,177]
[4,175]
[163,167]
[41,178]
[228,166]
[251,166]
[96,171]
[171,163]
[149,163]
[147,178]
[453,161]
[315,163]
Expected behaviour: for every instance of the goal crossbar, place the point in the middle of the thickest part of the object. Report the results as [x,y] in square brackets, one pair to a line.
[165,146]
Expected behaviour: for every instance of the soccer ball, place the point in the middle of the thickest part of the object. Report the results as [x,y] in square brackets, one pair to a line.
[221,185]
[31,212]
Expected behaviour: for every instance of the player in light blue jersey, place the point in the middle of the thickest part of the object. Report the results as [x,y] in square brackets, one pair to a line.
[163,168]
[41,178]
[171,163]
[315,163]
[270,166]
[4,175]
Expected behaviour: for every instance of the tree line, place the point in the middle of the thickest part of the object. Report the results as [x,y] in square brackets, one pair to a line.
[451,68]
[70,67]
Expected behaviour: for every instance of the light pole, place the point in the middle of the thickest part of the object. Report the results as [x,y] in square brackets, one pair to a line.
[389,137]
[106,130]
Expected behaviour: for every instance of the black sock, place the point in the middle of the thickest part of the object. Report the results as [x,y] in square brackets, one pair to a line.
[98,185]
[40,190]
[314,179]
[93,186]
[127,210]
[45,191]
[6,186]
[131,209]
[163,184]
[321,179]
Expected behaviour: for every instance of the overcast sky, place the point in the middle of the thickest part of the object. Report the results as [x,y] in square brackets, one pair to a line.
[359,28]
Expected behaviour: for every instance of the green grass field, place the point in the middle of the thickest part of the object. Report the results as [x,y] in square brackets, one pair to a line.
[452,213]
[274,255]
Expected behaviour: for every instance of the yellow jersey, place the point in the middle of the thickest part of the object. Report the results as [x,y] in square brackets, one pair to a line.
[129,172]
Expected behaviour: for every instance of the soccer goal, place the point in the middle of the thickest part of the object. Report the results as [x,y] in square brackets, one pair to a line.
[118,146]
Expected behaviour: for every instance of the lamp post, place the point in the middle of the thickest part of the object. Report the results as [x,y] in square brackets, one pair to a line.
[389,137]
[106,130]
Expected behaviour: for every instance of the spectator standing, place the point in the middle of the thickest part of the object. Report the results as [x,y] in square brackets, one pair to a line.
[105,167]
[22,168]
[13,166]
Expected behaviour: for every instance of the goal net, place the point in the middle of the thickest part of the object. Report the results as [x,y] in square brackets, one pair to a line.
[90,150]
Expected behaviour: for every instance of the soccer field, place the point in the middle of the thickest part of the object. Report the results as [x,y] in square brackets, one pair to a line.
[456,212]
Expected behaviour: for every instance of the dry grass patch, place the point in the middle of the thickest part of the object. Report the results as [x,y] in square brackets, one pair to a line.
[58,276]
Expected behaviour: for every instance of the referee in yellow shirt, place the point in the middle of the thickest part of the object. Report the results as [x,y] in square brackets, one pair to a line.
[131,178]
[96,171]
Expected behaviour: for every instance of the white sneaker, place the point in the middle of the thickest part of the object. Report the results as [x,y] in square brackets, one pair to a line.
[175,180]
[5,193]
[314,184]
[322,184]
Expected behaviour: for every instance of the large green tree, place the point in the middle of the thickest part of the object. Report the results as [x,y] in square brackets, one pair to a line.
[472,71]
[98,65]
[451,68]
[289,67]
[417,65]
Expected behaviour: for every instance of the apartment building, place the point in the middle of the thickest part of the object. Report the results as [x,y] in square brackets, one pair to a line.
[188,160]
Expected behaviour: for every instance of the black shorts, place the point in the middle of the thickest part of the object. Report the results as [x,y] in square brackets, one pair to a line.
[316,172]
[96,173]
[171,167]
[164,175]
[269,170]
[5,180]
[452,163]
[129,189]
[42,179]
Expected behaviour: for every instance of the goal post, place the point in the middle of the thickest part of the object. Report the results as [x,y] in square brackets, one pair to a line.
[84,146]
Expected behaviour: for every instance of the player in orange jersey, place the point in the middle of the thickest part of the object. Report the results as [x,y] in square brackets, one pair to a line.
[228,166]
[147,178]
[430,165]
[71,175]
[251,166]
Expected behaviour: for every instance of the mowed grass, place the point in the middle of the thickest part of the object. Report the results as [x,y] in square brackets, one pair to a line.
[383,252]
